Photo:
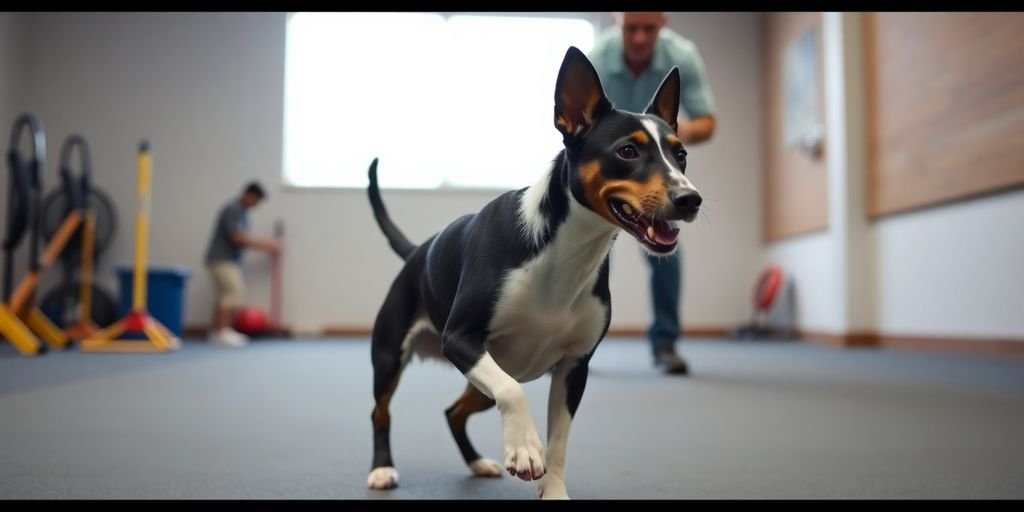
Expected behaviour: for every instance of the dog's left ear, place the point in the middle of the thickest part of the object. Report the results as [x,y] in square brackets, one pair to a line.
[665,103]
[579,97]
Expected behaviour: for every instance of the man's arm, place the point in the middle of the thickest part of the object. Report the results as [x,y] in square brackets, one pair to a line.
[231,223]
[240,238]
[696,101]
[698,129]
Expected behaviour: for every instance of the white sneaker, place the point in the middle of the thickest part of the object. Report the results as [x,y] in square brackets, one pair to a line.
[228,337]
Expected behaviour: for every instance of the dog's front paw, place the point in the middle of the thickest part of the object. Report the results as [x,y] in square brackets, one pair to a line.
[385,477]
[485,467]
[524,455]
[552,487]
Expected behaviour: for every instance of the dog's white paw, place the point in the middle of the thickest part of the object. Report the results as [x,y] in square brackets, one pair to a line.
[552,487]
[385,477]
[524,455]
[485,467]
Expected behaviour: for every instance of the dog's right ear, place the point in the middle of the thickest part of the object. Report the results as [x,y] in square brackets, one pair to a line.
[665,103]
[579,97]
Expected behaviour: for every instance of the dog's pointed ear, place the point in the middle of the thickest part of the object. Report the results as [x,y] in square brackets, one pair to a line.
[665,103]
[579,97]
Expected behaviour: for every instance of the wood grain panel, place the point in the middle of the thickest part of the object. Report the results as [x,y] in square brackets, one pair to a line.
[795,199]
[945,99]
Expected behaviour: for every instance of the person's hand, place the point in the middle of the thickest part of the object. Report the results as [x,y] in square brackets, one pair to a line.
[273,247]
[684,130]
[696,130]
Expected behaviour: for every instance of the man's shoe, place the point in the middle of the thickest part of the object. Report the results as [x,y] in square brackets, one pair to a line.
[228,337]
[669,361]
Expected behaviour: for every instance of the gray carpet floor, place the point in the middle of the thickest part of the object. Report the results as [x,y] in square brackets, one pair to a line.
[291,420]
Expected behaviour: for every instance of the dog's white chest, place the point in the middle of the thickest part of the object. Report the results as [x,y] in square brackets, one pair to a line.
[546,311]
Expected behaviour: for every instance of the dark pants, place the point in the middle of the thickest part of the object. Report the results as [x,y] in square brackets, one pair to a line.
[666,282]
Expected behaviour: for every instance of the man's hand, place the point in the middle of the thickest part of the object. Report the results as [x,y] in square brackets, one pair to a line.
[698,129]
[271,246]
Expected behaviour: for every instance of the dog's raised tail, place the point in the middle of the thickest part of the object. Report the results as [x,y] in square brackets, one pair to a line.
[396,239]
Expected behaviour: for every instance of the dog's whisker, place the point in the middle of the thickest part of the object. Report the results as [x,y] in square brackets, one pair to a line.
[704,216]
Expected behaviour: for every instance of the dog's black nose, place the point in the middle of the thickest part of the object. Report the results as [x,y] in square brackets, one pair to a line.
[685,199]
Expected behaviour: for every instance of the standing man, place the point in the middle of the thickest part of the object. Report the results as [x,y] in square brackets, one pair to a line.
[224,262]
[632,59]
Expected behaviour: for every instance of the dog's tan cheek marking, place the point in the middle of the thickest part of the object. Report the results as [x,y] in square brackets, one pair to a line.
[643,196]
[637,193]
[654,187]
[650,193]
[625,190]
[593,184]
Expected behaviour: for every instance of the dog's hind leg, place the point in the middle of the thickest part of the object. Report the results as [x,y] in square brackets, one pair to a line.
[471,401]
[389,356]
[387,370]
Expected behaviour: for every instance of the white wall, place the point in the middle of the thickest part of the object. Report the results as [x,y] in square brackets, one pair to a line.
[954,270]
[12,66]
[817,278]
[12,60]
[950,270]
[207,90]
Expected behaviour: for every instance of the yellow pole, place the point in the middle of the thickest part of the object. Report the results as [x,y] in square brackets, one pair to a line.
[158,337]
[141,230]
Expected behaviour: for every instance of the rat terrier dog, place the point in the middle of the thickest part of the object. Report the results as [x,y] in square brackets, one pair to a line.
[520,289]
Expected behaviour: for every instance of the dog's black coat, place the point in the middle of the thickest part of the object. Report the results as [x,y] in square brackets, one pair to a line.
[454,279]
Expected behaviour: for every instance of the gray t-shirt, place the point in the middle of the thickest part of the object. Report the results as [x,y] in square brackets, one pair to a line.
[633,93]
[232,218]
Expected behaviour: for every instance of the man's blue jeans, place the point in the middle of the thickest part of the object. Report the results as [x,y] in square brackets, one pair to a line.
[666,283]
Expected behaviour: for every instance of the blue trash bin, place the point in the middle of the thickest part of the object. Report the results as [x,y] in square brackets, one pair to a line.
[165,294]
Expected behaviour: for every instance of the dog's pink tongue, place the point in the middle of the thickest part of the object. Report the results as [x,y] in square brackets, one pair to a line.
[664,233]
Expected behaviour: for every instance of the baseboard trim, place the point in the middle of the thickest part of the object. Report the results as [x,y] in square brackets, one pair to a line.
[1003,347]
[700,331]
[347,331]
[195,331]
[623,331]
[840,340]
[1008,347]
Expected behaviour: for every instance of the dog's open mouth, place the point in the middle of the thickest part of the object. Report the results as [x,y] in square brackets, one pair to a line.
[658,235]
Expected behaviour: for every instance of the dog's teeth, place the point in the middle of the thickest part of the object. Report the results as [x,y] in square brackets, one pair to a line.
[627,209]
[650,232]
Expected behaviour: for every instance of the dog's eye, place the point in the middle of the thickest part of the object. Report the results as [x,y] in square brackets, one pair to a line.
[680,154]
[628,152]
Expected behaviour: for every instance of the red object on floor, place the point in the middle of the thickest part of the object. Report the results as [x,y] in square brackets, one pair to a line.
[251,320]
[767,288]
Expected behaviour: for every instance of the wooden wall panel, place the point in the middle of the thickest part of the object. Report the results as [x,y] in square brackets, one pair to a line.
[795,193]
[945,100]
